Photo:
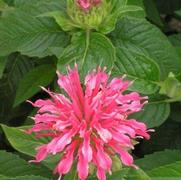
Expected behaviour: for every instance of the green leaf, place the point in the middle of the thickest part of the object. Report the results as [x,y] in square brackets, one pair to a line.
[41,6]
[2,65]
[126,174]
[30,84]
[130,8]
[89,51]
[108,24]
[22,142]
[61,18]
[9,2]
[163,178]
[119,10]
[137,3]
[170,170]
[27,143]
[178,12]
[12,165]
[152,12]
[158,159]
[16,67]
[20,31]
[30,177]
[72,174]
[138,14]
[175,39]
[171,87]
[140,36]
[129,174]
[154,114]
[3,5]
[138,67]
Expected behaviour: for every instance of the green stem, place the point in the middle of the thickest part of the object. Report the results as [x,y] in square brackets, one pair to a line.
[164,101]
[86,47]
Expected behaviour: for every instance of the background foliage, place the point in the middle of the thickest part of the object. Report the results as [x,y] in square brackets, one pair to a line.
[145,44]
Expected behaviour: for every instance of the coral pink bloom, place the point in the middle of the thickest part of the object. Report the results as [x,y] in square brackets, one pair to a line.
[84,4]
[90,124]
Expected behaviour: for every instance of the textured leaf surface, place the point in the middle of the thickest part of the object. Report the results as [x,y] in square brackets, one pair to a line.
[154,114]
[89,52]
[130,174]
[30,84]
[126,174]
[139,14]
[12,165]
[21,141]
[27,144]
[171,170]
[31,177]
[42,5]
[152,12]
[3,5]
[2,65]
[30,35]
[140,36]
[175,39]
[16,67]
[158,159]
[138,67]
[9,2]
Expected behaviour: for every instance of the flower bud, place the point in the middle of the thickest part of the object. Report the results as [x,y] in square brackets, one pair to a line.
[84,4]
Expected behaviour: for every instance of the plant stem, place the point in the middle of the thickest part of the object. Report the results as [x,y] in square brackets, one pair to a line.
[86,47]
[164,101]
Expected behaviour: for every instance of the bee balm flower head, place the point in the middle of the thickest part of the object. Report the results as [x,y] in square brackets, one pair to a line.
[91,125]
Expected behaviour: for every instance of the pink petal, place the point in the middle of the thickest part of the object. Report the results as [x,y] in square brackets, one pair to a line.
[117,84]
[82,166]
[103,133]
[59,143]
[42,153]
[86,148]
[121,138]
[41,102]
[125,130]
[39,127]
[103,160]
[126,158]
[101,174]
[66,162]
[84,4]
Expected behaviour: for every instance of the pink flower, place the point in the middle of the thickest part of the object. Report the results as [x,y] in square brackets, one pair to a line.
[88,4]
[84,4]
[90,124]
